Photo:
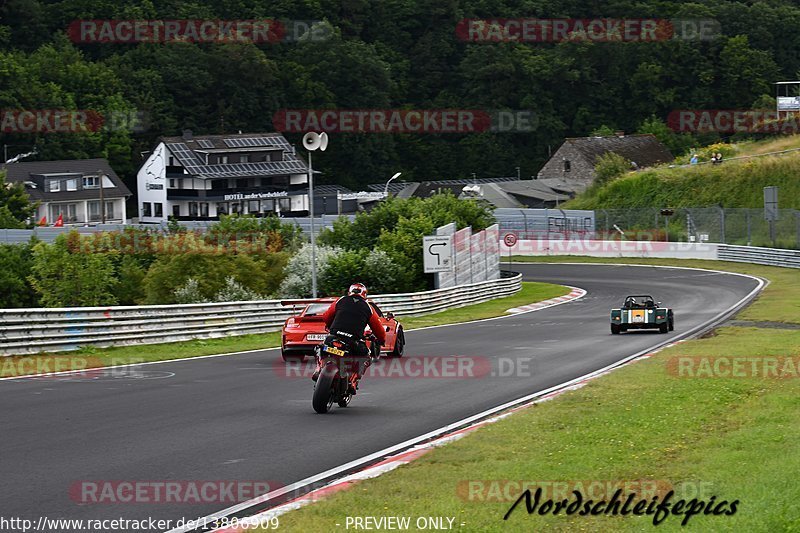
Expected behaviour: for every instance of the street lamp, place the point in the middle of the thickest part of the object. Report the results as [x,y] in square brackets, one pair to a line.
[312,142]
[386,189]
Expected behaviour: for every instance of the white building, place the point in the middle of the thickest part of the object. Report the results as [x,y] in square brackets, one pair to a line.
[203,177]
[71,189]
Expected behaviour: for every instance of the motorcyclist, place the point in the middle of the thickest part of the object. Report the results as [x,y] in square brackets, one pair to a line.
[347,317]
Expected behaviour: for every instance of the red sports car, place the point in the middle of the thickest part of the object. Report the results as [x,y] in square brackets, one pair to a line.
[302,332]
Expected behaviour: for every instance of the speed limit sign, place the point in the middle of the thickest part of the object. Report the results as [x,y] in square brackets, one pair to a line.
[510,239]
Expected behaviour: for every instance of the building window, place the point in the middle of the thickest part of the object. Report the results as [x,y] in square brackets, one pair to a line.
[72,185]
[235,208]
[110,210]
[222,209]
[55,186]
[69,212]
[244,159]
[176,210]
[193,210]
[158,209]
[91,182]
[252,206]
[94,211]
[146,210]
[223,159]
[172,183]
[567,165]
[171,161]
[203,209]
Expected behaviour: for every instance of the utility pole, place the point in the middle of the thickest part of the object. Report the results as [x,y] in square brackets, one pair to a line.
[100,177]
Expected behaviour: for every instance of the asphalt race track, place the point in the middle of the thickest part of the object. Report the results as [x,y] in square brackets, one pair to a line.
[242,418]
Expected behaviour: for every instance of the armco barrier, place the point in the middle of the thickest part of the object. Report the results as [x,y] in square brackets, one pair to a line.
[759,256]
[29,331]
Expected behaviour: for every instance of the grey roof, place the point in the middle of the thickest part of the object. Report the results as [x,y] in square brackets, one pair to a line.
[188,150]
[563,186]
[644,149]
[495,195]
[32,171]
[395,187]
[331,189]
[531,189]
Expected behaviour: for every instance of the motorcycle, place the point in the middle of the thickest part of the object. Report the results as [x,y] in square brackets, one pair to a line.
[338,372]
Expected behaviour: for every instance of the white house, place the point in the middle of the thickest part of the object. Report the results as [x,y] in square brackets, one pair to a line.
[203,177]
[71,189]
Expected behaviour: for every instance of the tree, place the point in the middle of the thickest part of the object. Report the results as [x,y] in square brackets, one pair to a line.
[15,205]
[16,262]
[65,276]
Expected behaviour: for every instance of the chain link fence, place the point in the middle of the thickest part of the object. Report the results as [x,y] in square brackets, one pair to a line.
[710,224]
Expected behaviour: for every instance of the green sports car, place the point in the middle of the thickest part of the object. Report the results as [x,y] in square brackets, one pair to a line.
[641,312]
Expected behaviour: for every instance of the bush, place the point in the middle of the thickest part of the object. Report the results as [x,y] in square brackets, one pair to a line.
[396,227]
[171,272]
[271,232]
[374,268]
[610,166]
[66,279]
[236,292]
[189,293]
[297,283]
[16,262]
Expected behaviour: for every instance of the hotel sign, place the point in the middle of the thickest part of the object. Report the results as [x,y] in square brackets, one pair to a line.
[255,196]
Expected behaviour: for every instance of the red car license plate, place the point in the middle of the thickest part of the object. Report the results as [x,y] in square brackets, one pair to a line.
[315,337]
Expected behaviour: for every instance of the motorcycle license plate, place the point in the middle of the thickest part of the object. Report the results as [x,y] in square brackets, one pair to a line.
[315,337]
[334,351]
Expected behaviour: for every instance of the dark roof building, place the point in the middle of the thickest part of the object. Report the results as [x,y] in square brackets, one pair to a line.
[71,189]
[575,160]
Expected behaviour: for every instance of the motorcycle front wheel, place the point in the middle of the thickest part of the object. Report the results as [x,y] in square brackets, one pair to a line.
[324,389]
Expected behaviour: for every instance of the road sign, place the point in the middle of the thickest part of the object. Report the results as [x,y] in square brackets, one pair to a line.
[437,254]
[510,239]
[770,203]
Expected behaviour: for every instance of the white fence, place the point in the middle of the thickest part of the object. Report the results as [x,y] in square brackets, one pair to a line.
[30,331]
[655,249]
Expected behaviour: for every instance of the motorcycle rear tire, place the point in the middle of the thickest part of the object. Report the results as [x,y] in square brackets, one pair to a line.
[324,389]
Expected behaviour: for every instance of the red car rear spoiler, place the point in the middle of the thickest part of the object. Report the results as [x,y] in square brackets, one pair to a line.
[308,301]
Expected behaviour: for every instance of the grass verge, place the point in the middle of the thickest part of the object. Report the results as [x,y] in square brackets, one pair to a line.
[91,357]
[732,437]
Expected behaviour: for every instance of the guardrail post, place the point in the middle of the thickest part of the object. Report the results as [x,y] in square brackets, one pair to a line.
[749,239]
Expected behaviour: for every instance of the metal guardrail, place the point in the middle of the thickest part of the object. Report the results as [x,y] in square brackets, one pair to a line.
[30,331]
[760,256]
